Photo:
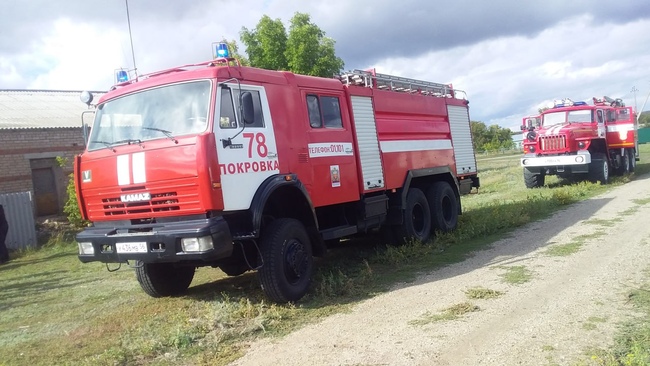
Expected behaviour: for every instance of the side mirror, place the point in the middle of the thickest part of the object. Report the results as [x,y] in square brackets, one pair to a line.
[248,112]
[86,117]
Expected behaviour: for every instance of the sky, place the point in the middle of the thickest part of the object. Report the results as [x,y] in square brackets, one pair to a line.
[510,56]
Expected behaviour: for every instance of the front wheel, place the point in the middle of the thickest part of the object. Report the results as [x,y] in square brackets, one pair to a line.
[287,262]
[534,180]
[599,169]
[163,279]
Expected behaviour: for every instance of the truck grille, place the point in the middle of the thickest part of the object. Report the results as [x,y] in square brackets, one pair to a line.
[556,142]
[159,202]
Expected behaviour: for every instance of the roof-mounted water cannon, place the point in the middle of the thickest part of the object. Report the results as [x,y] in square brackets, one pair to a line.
[605,100]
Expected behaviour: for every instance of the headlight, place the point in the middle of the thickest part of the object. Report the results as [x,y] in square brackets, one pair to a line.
[86,248]
[581,145]
[531,149]
[193,245]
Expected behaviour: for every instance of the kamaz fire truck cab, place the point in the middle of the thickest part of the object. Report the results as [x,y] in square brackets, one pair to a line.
[241,168]
[576,140]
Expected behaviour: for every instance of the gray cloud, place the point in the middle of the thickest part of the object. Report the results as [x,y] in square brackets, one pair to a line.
[366,31]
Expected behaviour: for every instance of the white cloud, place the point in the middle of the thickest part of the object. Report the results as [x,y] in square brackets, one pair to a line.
[78,56]
[509,62]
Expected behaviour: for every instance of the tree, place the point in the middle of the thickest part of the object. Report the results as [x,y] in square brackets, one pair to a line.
[491,138]
[304,50]
[266,44]
[234,52]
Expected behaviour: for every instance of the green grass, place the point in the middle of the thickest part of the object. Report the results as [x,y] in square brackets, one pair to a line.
[56,310]
[515,275]
[604,222]
[632,342]
[451,313]
[482,293]
[563,250]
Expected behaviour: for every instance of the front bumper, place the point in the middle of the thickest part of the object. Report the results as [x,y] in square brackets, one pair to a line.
[163,241]
[532,160]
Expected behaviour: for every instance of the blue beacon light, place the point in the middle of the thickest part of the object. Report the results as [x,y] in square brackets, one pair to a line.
[122,76]
[222,50]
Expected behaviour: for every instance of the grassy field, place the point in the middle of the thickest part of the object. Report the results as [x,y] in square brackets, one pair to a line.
[56,310]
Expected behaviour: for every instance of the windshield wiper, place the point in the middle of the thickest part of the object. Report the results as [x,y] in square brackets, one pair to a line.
[108,145]
[129,141]
[165,132]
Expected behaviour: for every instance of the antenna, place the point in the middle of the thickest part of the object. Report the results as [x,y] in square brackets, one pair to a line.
[128,19]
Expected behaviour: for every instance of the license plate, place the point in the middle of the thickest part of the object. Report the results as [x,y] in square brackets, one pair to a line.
[139,247]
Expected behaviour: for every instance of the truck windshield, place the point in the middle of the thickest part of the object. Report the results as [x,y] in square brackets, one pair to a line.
[556,118]
[163,112]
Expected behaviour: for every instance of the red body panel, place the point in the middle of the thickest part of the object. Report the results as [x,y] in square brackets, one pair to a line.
[184,178]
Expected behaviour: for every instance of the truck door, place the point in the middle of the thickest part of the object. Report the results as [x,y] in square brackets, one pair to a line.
[330,148]
[247,154]
[600,120]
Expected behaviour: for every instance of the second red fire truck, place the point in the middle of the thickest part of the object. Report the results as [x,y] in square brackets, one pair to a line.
[576,140]
[240,168]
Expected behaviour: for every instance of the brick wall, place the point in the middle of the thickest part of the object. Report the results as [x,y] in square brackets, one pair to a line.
[19,146]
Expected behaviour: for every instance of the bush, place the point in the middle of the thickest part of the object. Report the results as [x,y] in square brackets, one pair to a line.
[71,207]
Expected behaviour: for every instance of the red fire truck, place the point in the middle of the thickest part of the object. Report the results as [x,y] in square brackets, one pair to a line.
[575,140]
[240,168]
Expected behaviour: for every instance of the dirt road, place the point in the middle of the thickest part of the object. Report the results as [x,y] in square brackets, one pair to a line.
[570,303]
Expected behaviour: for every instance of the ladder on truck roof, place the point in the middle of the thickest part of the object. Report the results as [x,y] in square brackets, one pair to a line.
[371,79]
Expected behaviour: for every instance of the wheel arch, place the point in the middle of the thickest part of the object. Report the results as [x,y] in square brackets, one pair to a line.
[421,178]
[285,196]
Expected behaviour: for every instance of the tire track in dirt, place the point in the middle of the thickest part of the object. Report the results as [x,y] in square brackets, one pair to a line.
[571,303]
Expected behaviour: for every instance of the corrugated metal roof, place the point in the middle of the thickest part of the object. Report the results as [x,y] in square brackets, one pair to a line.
[41,108]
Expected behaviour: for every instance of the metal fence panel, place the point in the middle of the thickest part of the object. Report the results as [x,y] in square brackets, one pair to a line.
[20,216]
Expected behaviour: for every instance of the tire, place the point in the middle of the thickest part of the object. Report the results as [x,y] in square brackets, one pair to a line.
[632,158]
[599,169]
[533,180]
[625,164]
[416,219]
[163,279]
[443,206]
[287,261]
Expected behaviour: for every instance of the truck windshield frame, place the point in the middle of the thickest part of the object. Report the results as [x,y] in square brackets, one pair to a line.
[162,112]
[561,117]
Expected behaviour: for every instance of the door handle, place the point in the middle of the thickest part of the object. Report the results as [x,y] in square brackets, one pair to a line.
[272,155]
[348,151]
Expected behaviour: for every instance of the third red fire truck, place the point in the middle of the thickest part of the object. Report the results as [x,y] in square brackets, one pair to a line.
[240,168]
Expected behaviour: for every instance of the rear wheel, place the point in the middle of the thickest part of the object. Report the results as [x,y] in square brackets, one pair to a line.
[287,262]
[532,179]
[625,163]
[443,206]
[416,220]
[632,159]
[599,169]
[163,279]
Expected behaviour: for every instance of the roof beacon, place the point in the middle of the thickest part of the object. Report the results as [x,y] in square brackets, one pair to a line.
[121,76]
[222,51]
